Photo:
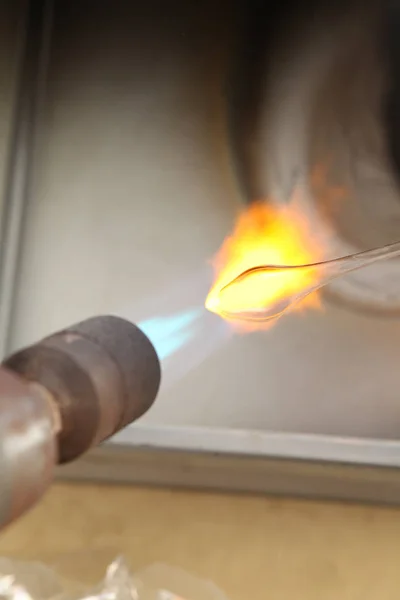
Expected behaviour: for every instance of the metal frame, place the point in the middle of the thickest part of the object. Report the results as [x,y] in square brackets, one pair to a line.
[261,462]
[34,53]
[240,461]
[233,472]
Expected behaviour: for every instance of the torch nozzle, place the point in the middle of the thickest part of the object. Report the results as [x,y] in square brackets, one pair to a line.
[66,394]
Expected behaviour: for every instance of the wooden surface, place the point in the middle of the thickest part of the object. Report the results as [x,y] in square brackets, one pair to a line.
[253,548]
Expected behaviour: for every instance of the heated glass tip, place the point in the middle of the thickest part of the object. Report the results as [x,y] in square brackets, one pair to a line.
[212,304]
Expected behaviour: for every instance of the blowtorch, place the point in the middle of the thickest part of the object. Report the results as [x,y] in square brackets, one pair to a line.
[64,395]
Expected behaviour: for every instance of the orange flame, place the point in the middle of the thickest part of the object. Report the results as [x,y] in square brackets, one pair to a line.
[266,235]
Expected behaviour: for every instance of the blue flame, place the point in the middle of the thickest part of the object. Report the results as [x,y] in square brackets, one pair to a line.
[170,333]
